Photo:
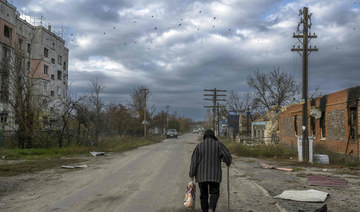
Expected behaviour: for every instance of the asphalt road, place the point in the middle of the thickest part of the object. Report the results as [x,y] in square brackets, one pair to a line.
[151,178]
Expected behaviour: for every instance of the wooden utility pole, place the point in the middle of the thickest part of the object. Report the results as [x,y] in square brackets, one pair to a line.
[145,122]
[306,50]
[215,106]
[167,116]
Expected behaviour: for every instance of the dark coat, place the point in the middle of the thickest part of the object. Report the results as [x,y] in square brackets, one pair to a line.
[206,160]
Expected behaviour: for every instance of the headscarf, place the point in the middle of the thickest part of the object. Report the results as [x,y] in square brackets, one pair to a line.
[209,133]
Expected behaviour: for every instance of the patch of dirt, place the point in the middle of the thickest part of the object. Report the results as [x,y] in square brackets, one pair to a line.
[276,181]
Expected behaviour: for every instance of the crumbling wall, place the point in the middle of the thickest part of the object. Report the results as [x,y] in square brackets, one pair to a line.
[287,126]
[336,125]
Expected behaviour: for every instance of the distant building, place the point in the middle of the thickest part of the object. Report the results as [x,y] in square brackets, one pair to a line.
[266,128]
[333,121]
[43,59]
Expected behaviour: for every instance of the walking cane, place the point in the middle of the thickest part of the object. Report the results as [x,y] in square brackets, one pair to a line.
[228,188]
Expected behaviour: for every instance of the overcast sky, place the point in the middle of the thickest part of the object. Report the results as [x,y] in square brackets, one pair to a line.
[177,48]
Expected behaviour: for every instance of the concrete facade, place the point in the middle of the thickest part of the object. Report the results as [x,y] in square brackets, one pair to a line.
[44,61]
[337,126]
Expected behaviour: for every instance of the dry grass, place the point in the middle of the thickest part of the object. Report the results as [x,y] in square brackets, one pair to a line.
[32,160]
[261,150]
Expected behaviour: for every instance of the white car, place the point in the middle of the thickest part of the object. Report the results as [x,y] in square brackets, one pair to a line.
[171,133]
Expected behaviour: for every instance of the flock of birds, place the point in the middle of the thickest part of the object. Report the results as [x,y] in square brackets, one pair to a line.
[179,25]
[155,28]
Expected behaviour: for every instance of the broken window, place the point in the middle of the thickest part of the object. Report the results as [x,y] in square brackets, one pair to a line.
[45,86]
[52,77]
[64,66]
[28,48]
[322,125]
[352,123]
[313,126]
[295,125]
[46,52]
[60,59]
[7,32]
[52,60]
[59,75]
[20,43]
[3,117]
[52,93]
[46,69]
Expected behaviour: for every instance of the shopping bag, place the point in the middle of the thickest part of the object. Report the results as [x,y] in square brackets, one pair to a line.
[189,200]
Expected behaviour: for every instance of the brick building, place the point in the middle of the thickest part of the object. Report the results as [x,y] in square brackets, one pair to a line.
[30,52]
[333,121]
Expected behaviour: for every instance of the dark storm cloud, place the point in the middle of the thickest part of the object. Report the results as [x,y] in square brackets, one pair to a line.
[177,51]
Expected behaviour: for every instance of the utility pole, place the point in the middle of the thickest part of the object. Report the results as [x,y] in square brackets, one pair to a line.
[215,106]
[145,122]
[306,37]
[167,116]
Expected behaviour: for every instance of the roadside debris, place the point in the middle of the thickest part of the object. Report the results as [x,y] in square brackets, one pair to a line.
[97,153]
[267,166]
[73,167]
[315,180]
[319,158]
[310,195]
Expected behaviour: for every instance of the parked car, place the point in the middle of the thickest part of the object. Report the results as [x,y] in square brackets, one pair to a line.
[171,133]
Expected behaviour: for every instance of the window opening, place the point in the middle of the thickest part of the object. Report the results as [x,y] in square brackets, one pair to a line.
[295,125]
[352,123]
[46,52]
[322,125]
[46,69]
[7,32]
[59,75]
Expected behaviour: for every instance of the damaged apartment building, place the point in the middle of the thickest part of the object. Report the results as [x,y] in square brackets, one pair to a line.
[333,121]
[30,53]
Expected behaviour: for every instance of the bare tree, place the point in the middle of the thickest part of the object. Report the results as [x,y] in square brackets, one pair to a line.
[238,103]
[97,104]
[273,88]
[138,101]
[68,105]
[18,91]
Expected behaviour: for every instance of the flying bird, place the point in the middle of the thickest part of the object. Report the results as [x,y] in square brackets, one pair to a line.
[198,29]
[214,18]
[179,24]
[152,16]
[114,27]
[200,11]
[213,26]
[71,34]
[134,22]
[230,29]
[104,33]
[155,28]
